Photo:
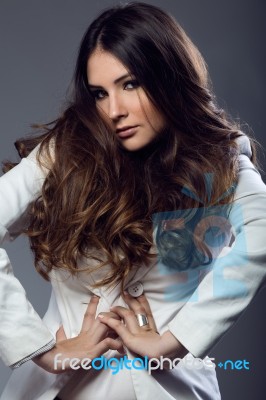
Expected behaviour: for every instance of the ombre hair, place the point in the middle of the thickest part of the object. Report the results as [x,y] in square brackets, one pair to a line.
[99,201]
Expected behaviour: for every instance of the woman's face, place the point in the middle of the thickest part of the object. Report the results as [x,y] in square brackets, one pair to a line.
[119,97]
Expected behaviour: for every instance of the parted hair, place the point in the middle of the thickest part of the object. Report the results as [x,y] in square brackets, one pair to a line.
[100,201]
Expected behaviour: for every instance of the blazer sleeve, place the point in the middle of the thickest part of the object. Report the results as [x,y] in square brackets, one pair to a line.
[22,331]
[237,274]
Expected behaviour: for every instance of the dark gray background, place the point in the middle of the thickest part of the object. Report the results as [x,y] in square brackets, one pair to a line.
[39,41]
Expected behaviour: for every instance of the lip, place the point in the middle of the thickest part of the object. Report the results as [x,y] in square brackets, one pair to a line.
[127,131]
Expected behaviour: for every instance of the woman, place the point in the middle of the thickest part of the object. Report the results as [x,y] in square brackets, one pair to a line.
[125,192]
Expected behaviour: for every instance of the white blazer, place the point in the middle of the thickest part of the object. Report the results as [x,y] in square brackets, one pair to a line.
[198,309]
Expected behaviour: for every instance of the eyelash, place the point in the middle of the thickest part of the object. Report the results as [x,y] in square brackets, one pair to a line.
[133,82]
[97,93]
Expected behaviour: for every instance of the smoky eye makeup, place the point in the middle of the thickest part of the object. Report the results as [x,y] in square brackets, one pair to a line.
[98,94]
[131,82]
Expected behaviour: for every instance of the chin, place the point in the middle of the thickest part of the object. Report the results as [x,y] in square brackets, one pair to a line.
[136,145]
[141,149]
[133,148]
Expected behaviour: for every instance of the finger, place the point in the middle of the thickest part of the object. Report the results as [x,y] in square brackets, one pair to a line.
[109,344]
[99,331]
[117,326]
[145,304]
[110,331]
[129,318]
[90,313]
[141,307]
[60,334]
[111,314]
[134,304]
[121,349]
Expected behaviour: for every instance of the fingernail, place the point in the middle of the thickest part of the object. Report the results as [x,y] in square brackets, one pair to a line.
[100,316]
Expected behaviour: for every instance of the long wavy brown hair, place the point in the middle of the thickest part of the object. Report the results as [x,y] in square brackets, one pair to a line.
[101,201]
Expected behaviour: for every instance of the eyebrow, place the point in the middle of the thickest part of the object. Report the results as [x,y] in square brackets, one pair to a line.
[121,78]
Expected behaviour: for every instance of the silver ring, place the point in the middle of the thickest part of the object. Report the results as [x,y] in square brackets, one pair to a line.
[142,319]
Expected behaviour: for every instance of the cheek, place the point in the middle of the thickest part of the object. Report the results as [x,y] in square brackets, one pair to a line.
[151,114]
[157,121]
[101,109]
[103,112]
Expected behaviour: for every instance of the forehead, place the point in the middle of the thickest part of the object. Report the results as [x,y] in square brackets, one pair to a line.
[103,67]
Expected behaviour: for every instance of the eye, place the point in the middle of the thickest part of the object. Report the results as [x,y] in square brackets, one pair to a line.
[132,84]
[98,94]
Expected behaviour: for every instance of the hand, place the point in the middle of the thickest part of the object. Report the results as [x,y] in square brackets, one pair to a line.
[93,340]
[142,340]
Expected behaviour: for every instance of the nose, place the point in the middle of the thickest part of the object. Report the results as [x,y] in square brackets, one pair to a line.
[117,107]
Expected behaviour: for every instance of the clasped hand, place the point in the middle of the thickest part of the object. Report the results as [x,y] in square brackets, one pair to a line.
[112,330]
